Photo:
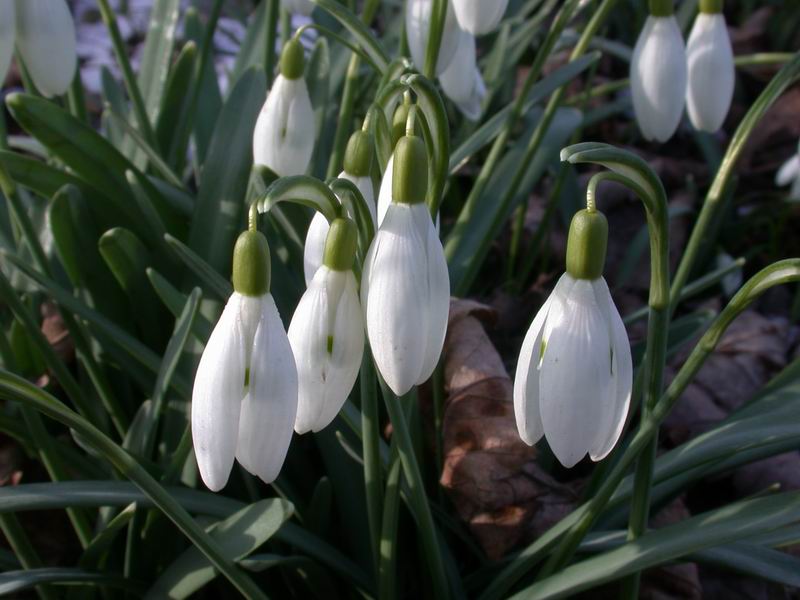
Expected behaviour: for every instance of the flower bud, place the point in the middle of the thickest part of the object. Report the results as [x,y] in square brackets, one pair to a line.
[586,244]
[251,264]
[479,16]
[340,245]
[46,43]
[658,74]
[410,171]
[711,71]
[359,154]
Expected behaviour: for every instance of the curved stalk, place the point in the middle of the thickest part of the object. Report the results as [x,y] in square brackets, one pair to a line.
[343,41]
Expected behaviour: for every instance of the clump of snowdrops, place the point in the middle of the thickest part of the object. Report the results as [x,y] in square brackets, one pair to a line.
[257,282]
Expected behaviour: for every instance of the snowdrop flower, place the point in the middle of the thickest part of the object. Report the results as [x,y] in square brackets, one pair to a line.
[574,375]
[302,7]
[283,139]
[418,20]
[789,173]
[711,72]
[357,168]
[462,81]
[46,43]
[244,399]
[658,74]
[327,333]
[479,16]
[405,286]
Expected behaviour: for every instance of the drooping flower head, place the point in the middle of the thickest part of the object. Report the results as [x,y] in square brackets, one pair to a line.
[462,81]
[711,71]
[327,332]
[283,139]
[418,22]
[405,286]
[479,16]
[46,42]
[658,73]
[574,375]
[244,398]
[358,160]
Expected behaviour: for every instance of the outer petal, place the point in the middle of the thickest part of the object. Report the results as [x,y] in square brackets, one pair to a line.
[270,407]
[46,41]
[613,418]
[395,272]
[385,193]
[526,380]
[364,185]
[462,81]
[303,7]
[658,78]
[315,246]
[217,397]
[283,138]
[711,72]
[418,18]
[8,30]
[479,16]
[435,298]
[789,171]
[575,379]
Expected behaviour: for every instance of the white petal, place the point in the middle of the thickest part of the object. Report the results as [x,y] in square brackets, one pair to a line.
[394,276]
[711,72]
[302,7]
[269,409]
[327,338]
[435,298]
[479,16]
[575,378]
[526,380]
[612,421]
[283,139]
[418,17]
[315,246]
[364,185]
[789,171]
[462,81]
[385,193]
[46,41]
[7,32]
[658,78]
[217,397]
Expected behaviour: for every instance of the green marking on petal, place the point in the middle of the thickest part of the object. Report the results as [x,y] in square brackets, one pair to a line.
[330,344]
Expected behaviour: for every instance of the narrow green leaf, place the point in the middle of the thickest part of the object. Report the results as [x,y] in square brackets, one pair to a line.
[211,280]
[237,536]
[208,97]
[358,30]
[17,581]
[173,116]
[175,301]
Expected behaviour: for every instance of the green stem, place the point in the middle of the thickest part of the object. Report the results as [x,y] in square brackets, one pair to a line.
[76,100]
[16,389]
[783,79]
[271,23]
[371,450]
[387,567]
[24,551]
[128,76]
[582,518]
[435,32]
[417,497]
[763,58]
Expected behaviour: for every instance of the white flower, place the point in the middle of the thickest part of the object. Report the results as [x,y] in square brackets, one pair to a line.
[405,293]
[385,194]
[462,81]
[46,43]
[244,399]
[658,78]
[418,19]
[711,72]
[574,376]
[303,7]
[7,32]
[789,173]
[327,338]
[479,16]
[283,139]
[318,229]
